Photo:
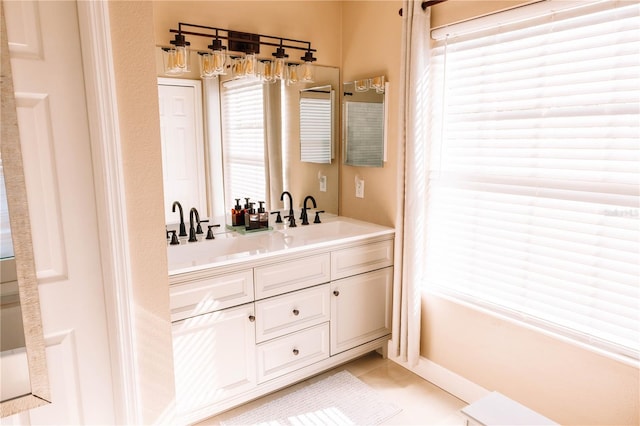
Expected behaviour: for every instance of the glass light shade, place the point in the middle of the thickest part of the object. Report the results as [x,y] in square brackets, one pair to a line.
[219,58]
[362,85]
[378,84]
[182,58]
[307,72]
[266,71]
[279,69]
[293,75]
[169,59]
[237,68]
[207,69]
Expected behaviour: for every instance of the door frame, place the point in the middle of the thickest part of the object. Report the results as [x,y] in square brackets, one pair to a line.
[102,109]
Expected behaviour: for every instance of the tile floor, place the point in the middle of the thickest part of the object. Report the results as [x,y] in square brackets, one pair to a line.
[421,402]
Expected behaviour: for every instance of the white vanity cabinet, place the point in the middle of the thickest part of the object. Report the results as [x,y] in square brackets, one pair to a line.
[243,330]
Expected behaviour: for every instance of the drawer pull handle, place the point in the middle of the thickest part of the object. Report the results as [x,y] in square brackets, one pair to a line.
[296,312]
[296,352]
[336,293]
[252,318]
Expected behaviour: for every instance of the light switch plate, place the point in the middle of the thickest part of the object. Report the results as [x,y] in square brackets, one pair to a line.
[359,188]
[323,184]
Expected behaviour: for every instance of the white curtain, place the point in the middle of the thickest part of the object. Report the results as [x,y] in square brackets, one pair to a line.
[412,179]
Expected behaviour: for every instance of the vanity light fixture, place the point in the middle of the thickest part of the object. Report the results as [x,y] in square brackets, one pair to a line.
[240,54]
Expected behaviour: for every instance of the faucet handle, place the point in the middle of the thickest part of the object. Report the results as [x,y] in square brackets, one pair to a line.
[210,235]
[317,218]
[278,218]
[174,238]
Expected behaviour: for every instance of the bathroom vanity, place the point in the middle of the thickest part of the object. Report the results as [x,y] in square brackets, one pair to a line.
[254,313]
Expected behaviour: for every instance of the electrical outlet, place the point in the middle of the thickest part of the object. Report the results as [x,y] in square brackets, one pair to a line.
[359,188]
[323,184]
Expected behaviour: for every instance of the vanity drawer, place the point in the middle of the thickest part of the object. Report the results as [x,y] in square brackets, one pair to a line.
[289,353]
[291,312]
[357,260]
[210,294]
[293,275]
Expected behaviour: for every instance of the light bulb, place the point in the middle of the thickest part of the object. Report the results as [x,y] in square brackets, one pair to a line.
[250,64]
[378,84]
[182,58]
[361,85]
[266,71]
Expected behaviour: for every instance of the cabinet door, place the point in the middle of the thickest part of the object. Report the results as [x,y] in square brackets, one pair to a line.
[214,357]
[360,309]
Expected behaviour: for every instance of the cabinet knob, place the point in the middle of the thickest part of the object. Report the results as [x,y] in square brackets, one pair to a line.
[252,318]
[336,293]
[296,352]
[296,312]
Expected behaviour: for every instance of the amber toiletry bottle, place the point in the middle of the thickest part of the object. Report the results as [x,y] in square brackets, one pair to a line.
[263,215]
[237,214]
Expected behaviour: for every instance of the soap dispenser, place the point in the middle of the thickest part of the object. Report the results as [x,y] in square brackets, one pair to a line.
[251,218]
[237,214]
[263,215]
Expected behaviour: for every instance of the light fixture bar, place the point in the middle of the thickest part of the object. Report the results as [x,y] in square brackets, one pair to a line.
[278,43]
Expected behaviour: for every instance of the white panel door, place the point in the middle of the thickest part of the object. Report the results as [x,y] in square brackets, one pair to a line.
[181,133]
[44,46]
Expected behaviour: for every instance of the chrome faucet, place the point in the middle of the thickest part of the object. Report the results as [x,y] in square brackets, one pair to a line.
[183,231]
[305,219]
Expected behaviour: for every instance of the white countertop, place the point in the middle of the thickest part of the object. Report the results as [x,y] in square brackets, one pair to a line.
[231,247]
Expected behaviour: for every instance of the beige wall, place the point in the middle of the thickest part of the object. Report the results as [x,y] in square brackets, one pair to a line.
[137,94]
[371,33]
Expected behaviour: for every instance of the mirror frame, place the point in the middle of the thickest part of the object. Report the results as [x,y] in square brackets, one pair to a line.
[22,243]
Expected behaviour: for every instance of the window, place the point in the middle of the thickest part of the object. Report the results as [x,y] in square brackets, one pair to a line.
[243,136]
[534,171]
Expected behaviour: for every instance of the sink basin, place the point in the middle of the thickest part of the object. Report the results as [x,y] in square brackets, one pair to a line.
[331,230]
[232,247]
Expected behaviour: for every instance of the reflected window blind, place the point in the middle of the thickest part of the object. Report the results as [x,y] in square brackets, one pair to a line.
[243,141]
[532,199]
[364,133]
[315,130]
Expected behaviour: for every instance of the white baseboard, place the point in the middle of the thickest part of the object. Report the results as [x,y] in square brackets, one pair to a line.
[447,380]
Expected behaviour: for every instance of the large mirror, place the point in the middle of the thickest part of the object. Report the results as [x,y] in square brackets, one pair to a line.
[365,113]
[24,379]
[253,145]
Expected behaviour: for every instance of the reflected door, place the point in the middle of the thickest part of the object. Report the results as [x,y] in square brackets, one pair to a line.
[181,133]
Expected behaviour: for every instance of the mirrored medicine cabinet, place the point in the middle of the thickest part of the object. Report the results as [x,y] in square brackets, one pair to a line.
[364,122]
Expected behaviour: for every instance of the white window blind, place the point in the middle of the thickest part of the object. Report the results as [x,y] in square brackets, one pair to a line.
[243,136]
[533,189]
[315,130]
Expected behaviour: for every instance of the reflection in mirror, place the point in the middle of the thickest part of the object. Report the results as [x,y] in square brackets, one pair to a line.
[252,147]
[317,124]
[24,377]
[364,132]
